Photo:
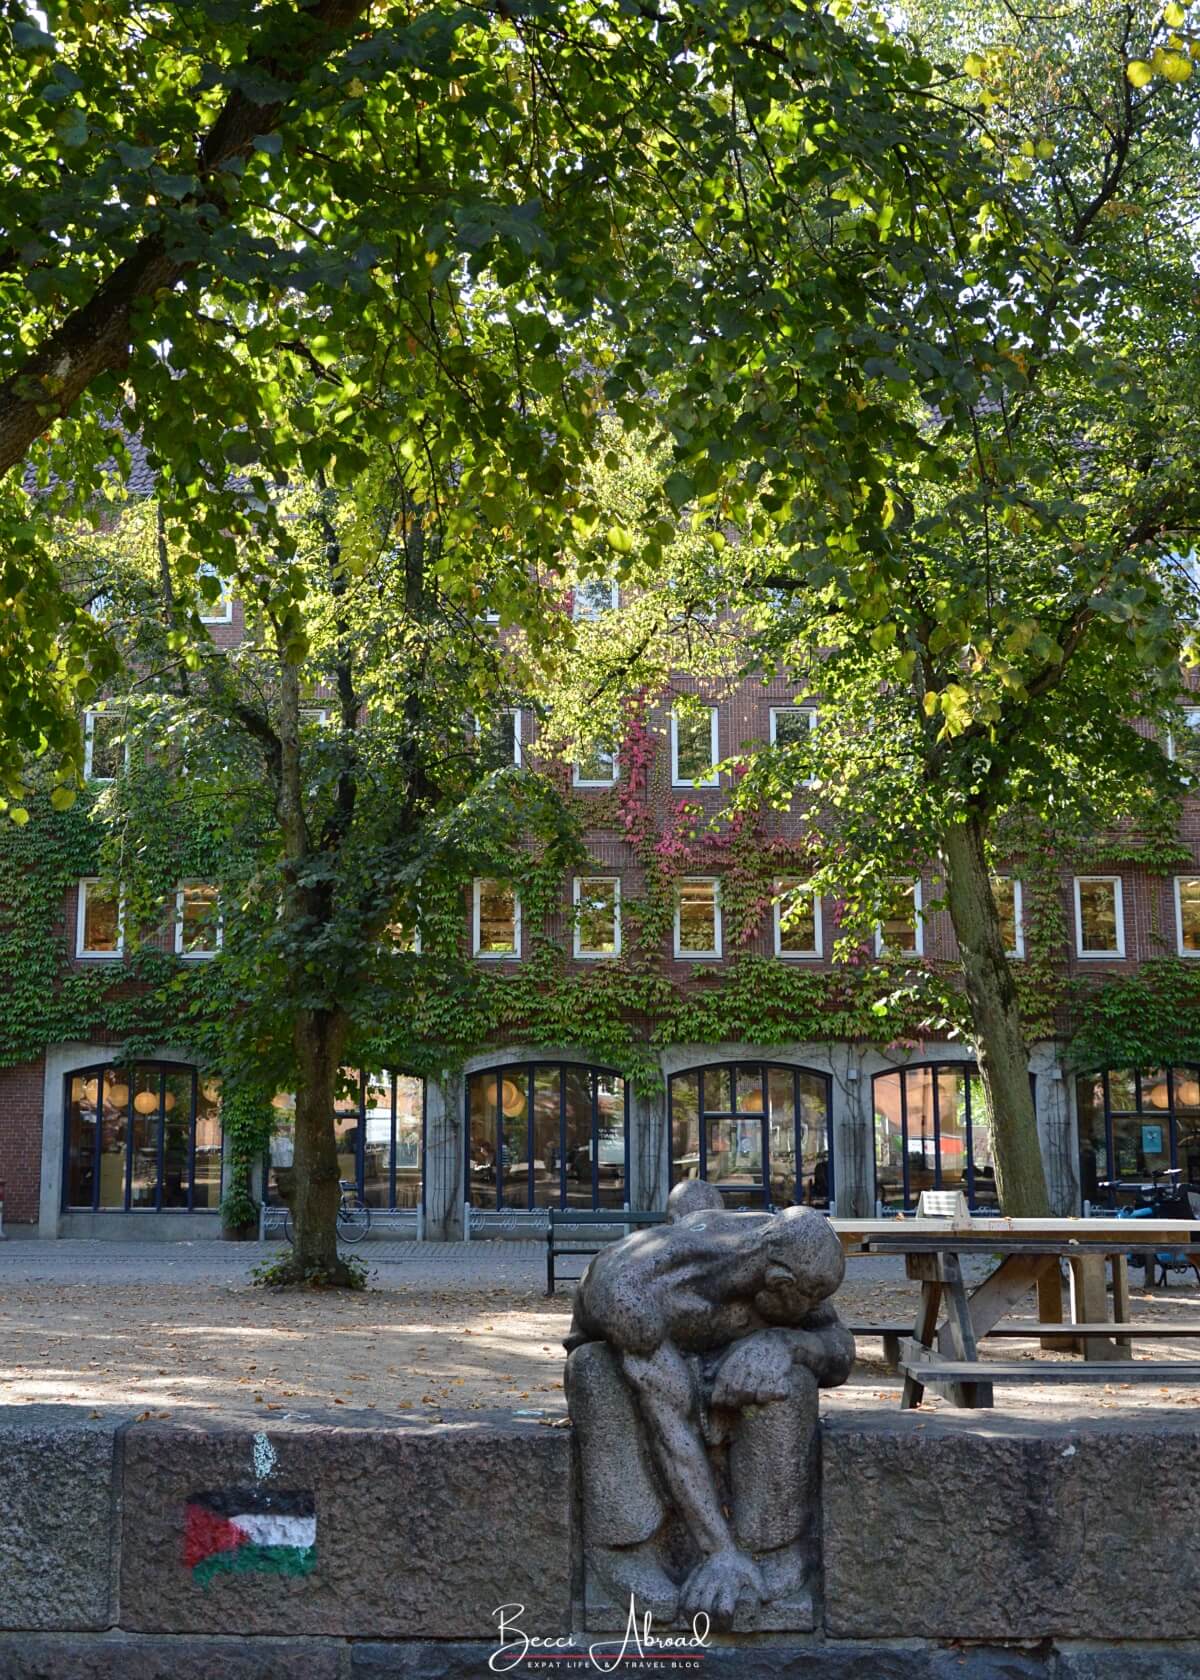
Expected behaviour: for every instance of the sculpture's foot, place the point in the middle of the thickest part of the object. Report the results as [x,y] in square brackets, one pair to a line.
[636,1570]
[783,1572]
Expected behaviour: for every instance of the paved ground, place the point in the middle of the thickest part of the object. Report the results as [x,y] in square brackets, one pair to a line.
[175,1329]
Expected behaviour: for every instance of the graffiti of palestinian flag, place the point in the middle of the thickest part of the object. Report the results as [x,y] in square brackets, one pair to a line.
[238,1531]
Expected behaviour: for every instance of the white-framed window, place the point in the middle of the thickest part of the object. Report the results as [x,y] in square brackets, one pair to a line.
[902,931]
[797,916]
[1187,734]
[1099,916]
[695,748]
[496,919]
[499,741]
[792,726]
[219,611]
[105,749]
[99,920]
[1187,915]
[597,769]
[594,597]
[1006,890]
[198,929]
[597,916]
[698,916]
[317,716]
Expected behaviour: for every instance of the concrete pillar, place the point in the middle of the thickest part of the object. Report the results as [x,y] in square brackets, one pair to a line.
[444,1157]
[853,1133]
[649,1150]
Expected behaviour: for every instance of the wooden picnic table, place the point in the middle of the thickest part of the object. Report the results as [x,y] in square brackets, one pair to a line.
[1027,1253]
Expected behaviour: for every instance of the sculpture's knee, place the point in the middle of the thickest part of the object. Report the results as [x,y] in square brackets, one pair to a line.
[621,1501]
[773,1466]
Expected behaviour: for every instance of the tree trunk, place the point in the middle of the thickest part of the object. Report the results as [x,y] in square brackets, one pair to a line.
[319,1035]
[1001,1050]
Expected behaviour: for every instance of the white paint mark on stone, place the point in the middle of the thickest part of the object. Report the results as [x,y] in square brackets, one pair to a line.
[1067,1452]
[265,1458]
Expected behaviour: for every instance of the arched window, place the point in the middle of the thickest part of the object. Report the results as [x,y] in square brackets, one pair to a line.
[760,1131]
[932,1133]
[1133,1122]
[547,1134]
[379,1124]
[146,1136]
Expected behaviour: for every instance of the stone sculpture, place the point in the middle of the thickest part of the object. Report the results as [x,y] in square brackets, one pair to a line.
[695,1355]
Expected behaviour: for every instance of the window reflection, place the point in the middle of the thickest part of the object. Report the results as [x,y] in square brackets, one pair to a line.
[758,1130]
[144,1137]
[570,1152]
[932,1132]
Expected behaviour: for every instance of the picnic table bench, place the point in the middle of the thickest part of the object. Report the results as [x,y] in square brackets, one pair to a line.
[1023,1252]
[562,1237]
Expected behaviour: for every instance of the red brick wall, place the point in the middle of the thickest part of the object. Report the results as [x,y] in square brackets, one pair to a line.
[21,1091]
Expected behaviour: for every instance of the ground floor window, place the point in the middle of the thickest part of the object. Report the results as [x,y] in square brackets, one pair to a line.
[932,1132]
[1133,1122]
[547,1134]
[379,1123]
[146,1136]
[760,1131]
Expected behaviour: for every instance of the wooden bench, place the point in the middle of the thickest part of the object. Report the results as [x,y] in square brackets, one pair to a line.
[561,1239]
[984,1372]
[892,1335]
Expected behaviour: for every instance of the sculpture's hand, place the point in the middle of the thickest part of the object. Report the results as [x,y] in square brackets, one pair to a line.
[716,1586]
[754,1372]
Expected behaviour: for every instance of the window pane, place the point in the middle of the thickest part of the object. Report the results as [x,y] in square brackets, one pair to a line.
[147,1117]
[889,1140]
[1187,1122]
[377,1141]
[1005,893]
[514,1140]
[547,1145]
[177,1138]
[986,1194]
[899,926]
[1189,913]
[814,1140]
[922,1145]
[101,919]
[578,1083]
[596,914]
[685,1126]
[482,1107]
[594,596]
[1093,1143]
[735,1159]
[718,1090]
[1097,915]
[797,918]
[610,1138]
[952,1124]
[497,918]
[498,741]
[1141,1144]
[1121,1092]
[207,1172]
[781,1136]
[107,732]
[82,1101]
[793,724]
[114,1133]
[596,764]
[698,916]
[198,919]
[748,1086]
[410,1102]
[345,1124]
[693,746]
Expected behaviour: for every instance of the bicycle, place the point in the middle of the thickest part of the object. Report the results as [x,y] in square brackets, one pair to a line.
[1164,1197]
[353,1215]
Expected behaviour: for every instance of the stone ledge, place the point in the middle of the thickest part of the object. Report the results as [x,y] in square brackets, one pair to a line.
[981,1526]
[56,1518]
[422,1528]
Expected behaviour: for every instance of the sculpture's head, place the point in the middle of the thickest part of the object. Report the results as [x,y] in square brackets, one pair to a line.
[801,1264]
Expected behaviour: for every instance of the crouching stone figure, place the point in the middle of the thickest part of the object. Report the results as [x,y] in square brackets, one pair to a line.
[695,1355]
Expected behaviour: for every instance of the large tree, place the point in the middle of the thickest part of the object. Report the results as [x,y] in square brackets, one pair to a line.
[984,622]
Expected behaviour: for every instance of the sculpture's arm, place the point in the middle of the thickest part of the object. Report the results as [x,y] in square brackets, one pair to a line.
[669,1405]
[827,1352]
